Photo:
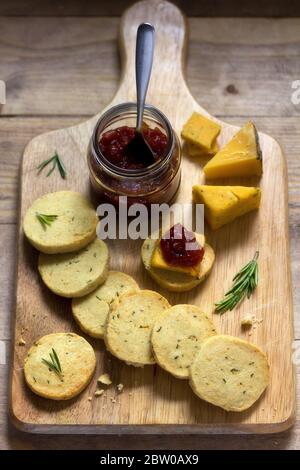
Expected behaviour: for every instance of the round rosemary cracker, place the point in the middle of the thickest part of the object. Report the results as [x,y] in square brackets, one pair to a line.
[72,222]
[229,372]
[75,274]
[91,311]
[129,326]
[175,281]
[67,375]
[177,337]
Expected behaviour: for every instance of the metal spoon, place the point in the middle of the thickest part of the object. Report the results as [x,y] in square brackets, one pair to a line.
[138,148]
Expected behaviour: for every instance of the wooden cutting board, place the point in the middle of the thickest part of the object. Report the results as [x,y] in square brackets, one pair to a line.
[152,400]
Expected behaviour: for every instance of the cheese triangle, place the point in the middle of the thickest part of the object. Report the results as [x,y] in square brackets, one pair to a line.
[240,157]
[223,204]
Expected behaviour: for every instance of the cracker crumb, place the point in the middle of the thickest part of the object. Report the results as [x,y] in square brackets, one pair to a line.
[247,322]
[98,393]
[21,342]
[113,400]
[90,398]
[120,387]
[250,320]
[105,379]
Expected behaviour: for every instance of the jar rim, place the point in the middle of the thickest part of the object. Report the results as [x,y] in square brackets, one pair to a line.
[124,172]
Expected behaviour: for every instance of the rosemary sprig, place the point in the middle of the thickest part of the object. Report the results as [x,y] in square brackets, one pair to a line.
[244,284]
[54,363]
[45,219]
[56,162]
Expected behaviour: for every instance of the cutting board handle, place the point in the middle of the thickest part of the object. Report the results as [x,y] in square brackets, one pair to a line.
[170,40]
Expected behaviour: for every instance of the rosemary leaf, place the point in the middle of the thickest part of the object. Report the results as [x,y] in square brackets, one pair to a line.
[54,363]
[48,364]
[56,359]
[42,165]
[51,169]
[244,284]
[56,163]
[61,166]
[45,219]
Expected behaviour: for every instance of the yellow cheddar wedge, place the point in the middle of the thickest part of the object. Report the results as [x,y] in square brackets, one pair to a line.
[240,157]
[200,131]
[196,151]
[158,261]
[223,204]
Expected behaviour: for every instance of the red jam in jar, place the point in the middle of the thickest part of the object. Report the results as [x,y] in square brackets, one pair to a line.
[114,146]
[115,173]
[180,247]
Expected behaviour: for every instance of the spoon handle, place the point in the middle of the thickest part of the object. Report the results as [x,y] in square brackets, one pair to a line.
[143,66]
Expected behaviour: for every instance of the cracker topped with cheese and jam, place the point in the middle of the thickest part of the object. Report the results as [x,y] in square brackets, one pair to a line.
[179,260]
[179,250]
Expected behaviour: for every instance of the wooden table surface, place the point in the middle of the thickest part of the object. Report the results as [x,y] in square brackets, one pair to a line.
[60,70]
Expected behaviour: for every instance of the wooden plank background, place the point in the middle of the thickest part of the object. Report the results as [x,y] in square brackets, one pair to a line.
[60,70]
[227,8]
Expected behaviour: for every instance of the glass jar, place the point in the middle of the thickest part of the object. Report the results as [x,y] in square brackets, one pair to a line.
[154,184]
